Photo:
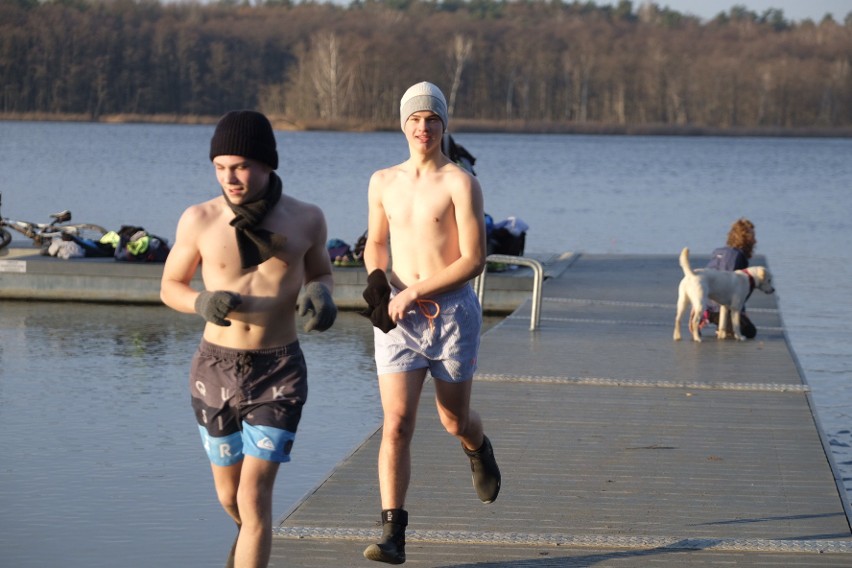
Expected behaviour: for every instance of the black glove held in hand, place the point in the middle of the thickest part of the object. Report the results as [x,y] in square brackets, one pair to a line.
[377,295]
[214,306]
[316,299]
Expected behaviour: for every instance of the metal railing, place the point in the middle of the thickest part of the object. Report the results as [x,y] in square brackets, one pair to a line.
[538,280]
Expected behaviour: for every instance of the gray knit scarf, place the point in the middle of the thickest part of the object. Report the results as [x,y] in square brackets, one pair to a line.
[257,245]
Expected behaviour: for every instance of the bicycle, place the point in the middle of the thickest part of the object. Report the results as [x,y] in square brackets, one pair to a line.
[42,233]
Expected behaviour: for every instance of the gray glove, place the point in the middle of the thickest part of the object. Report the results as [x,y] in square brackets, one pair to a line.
[316,299]
[214,306]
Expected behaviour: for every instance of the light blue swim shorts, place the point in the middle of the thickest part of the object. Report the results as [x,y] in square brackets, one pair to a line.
[439,333]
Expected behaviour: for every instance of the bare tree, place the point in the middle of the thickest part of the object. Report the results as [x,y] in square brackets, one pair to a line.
[461,49]
[330,79]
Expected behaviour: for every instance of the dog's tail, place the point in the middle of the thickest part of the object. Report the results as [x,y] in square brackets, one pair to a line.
[684,262]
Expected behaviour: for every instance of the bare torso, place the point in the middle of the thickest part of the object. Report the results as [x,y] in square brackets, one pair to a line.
[421,218]
[266,316]
[434,222]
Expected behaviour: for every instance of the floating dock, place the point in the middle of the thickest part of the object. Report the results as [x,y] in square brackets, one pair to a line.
[27,275]
[618,446]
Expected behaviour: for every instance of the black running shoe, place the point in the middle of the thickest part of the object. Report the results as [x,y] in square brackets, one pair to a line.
[485,473]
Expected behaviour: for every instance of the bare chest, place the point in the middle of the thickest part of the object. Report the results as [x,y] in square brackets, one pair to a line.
[221,265]
[419,211]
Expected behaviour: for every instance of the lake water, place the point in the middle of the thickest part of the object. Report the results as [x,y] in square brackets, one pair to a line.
[101,457]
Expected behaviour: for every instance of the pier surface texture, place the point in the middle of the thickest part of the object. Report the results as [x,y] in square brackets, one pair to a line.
[618,446]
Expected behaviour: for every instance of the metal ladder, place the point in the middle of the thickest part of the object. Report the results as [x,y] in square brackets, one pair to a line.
[538,279]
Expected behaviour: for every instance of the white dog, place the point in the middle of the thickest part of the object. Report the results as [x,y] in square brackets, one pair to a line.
[729,289]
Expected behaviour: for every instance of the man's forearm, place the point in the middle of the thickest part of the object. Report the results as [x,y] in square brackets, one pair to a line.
[178,295]
[325,279]
[375,257]
[452,277]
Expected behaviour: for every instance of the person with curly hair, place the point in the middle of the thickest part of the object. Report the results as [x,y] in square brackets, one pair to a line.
[734,256]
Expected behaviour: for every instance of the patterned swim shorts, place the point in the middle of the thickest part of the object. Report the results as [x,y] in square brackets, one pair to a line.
[248,402]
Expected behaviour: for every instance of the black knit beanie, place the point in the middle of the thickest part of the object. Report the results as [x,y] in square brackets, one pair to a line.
[245,133]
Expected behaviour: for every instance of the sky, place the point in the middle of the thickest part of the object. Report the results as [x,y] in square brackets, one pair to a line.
[794,10]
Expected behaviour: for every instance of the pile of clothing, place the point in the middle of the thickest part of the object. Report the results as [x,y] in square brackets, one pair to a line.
[129,244]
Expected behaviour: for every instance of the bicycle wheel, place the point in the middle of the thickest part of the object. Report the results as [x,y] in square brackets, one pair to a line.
[5,238]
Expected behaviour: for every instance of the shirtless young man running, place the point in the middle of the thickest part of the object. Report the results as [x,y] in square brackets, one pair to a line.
[257,247]
[427,215]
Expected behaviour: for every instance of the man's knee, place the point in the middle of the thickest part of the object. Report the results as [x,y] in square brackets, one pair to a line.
[455,427]
[456,424]
[257,480]
[226,481]
[255,505]
[453,402]
[398,429]
[227,497]
[253,500]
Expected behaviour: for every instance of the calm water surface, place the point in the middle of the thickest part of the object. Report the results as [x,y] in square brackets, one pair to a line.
[101,453]
[101,456]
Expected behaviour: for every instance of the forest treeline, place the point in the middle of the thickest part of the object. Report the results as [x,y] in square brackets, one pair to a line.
[521,61]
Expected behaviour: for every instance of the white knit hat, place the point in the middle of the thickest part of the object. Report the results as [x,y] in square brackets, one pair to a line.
[423,96]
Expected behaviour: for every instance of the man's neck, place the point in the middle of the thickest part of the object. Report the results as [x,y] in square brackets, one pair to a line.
[428,162]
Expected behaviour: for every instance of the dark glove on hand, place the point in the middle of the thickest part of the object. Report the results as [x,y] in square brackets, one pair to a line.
[377,287]
[377,295]
[214,306]
[316,299]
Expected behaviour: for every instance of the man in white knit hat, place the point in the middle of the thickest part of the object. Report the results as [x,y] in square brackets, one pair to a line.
[427,214]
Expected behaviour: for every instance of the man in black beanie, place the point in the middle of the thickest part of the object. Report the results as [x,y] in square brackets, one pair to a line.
[257,249]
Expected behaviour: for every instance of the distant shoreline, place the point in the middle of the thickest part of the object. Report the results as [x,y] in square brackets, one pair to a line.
[460,125]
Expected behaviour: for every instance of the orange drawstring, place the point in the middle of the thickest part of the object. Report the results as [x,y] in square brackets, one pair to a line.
[422,304]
